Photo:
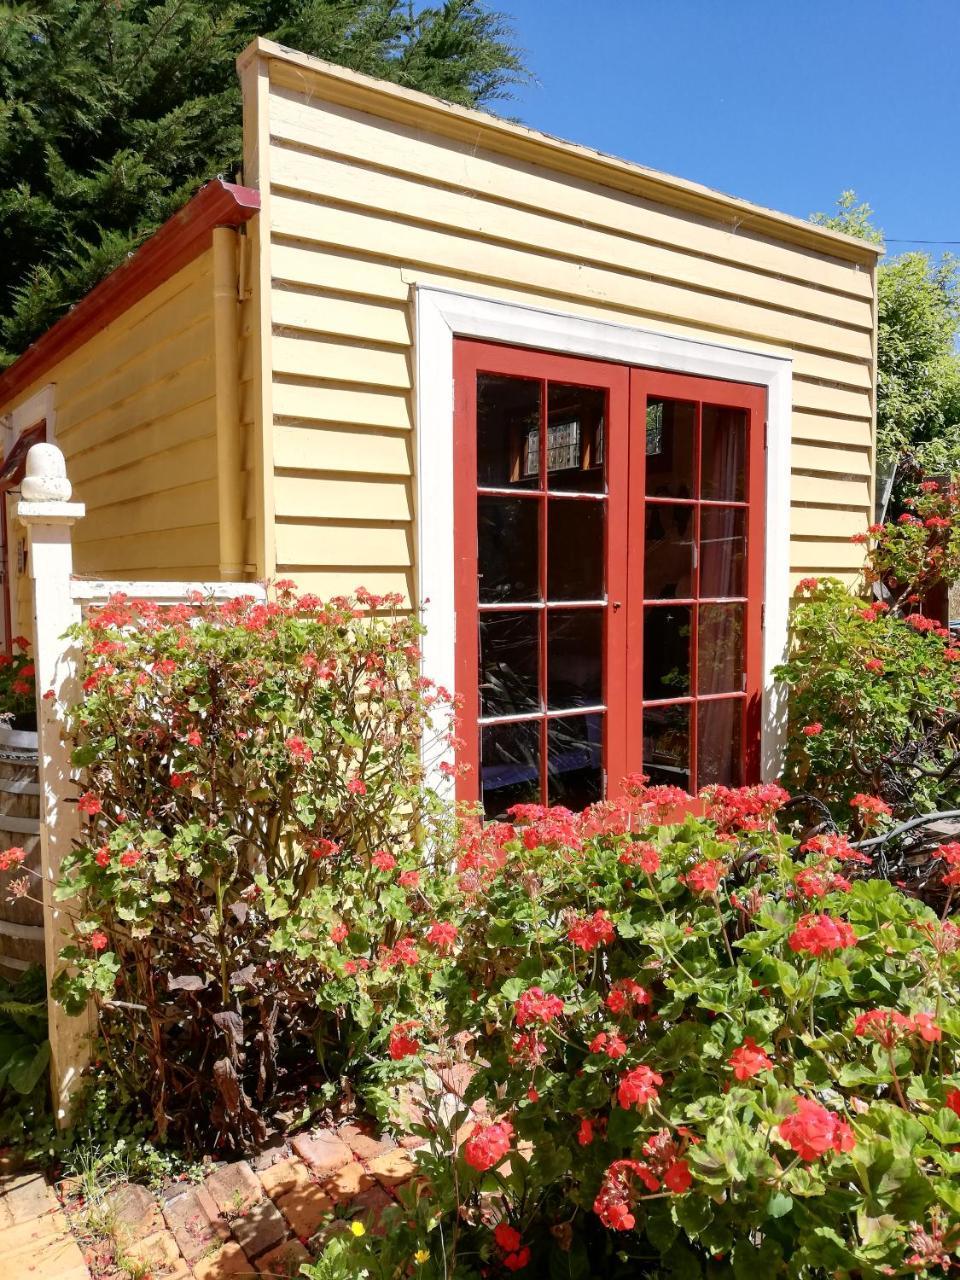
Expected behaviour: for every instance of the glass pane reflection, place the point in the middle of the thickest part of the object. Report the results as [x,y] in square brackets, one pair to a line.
[574,658]
[575,760]
[575,437]
[666,745]
[723,453]
[509,766]
[720,742]
[507,549]
[666,651]
[575,549]
[508,416]
[509,647]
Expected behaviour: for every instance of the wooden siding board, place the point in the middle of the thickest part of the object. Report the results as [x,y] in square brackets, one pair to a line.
[329,401]
[342,449]
[297,118]
[467,213]
[429,246]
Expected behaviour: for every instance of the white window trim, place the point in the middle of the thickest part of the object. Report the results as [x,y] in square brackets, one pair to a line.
[442,316]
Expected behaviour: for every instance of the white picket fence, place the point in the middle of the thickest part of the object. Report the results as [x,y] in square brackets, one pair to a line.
[59,600]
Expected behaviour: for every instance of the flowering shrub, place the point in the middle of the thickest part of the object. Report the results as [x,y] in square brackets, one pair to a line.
[247,767]
[920,549]
[698,1050]
[17,686]
[874,698]
[874,684]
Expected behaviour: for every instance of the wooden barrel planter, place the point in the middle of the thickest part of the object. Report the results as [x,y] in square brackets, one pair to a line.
[21,921]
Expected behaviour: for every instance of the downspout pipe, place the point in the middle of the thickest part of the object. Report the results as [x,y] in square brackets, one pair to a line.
[226,340]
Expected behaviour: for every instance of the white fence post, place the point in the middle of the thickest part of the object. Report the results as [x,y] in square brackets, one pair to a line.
[48,515]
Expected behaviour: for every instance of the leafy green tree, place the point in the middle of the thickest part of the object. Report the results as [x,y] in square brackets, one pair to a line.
[918,366]
[113,112]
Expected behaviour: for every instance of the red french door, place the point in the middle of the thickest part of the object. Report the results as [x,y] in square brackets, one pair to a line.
[609,562]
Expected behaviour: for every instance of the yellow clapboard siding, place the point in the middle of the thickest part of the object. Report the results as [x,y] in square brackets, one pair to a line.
[344,545]
[300,118]
[839,490]
[468,213]
[337,582]
[382,282]
[307,357]
[432,246]
[163,362]
[814,521]
[822,555]
[814,427]
[341,448]
[122,346]
[821,398]
[183,507]
[300,263]
[154,555]
[322,313]
[336,498]
[194,461]
[139,421]
[363,406]
[823,458]
[178,429]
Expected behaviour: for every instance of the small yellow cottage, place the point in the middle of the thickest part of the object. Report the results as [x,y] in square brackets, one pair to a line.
[594,420]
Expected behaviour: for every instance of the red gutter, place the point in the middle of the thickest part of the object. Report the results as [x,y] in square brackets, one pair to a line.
[183,237]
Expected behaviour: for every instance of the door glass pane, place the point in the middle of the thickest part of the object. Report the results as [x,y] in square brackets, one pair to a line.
[575,549]
[508,663]
[720,649]
[575,437]
[508,425]
[723,551]
[668,552]
[720,742]
[671,427]
[574,665]
[507,549]
[666,651]
[509,765]
[723,454]
[575,760]
[666,745]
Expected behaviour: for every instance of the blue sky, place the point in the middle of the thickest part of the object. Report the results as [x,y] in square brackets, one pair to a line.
[783,102]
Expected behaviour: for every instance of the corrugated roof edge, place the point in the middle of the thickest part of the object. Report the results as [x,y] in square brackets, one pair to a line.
[180,239]
[353,88]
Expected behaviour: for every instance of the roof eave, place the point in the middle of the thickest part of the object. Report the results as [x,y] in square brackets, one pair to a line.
[183,237]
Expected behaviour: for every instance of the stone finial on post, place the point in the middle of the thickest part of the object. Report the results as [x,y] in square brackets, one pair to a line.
[48,514]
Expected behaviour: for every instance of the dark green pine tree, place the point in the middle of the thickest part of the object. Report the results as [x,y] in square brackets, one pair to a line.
[113,112]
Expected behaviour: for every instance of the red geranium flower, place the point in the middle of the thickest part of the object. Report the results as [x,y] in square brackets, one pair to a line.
[99,940]
[612,1045]
[812,730]
[585,1132]
[749,1060]
[89,804]
[508,1238]
[952,1100]
[442,935]
[591,932]
[402,1044]
[638,1087]
[339,933]
[383,860]
[298,749]
[487,1145]
[705,876]
[534,1005]
[624,994]
[812,1130]
[816,935]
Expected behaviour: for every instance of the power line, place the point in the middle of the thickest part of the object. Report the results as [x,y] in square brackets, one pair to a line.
[893,240]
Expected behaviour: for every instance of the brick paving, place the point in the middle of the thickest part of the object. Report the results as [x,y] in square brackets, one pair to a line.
[243,1220]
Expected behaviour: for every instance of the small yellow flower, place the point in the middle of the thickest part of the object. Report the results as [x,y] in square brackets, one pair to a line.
[358,1228]
[422,1255]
